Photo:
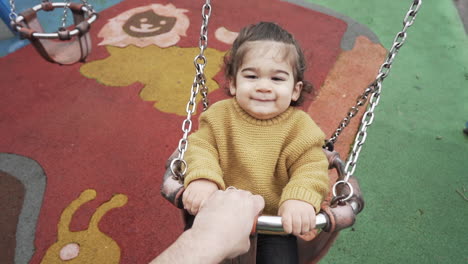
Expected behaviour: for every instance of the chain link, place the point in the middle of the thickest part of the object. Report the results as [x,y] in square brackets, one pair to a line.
[85,3]
[373,90]
[203,44]
[179,165]
[65,14]
[13,14]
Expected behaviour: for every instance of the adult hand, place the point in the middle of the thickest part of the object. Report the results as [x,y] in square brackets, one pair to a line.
[221,230]
[226,220]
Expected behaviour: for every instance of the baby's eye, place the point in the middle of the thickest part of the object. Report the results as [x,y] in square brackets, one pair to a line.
[277,79]
[250,76]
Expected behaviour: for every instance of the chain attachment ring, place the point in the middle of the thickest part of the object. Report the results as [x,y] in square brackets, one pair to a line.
[178,169]
[342,197]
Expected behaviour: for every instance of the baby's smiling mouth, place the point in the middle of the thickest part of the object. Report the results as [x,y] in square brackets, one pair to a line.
[263,99]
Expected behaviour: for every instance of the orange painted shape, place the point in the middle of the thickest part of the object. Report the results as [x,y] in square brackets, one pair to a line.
[349,77]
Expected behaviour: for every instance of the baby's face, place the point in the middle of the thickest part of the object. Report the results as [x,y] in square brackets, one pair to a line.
[265,83]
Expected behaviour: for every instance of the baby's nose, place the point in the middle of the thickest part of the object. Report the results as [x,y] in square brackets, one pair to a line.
[263,86]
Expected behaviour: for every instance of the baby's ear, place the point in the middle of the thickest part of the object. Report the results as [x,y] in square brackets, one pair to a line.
[297,91]
[232,88]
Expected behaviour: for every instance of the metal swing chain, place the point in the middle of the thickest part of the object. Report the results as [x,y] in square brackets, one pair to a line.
[65,14]
[200,60]
[179,165]
[384,70]
[374,90]
[13,14]
[66,7]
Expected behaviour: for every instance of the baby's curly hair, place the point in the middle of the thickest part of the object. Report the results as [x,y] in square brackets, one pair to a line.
[266,31]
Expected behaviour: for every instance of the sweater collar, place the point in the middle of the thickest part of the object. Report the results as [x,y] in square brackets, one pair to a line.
[260,122]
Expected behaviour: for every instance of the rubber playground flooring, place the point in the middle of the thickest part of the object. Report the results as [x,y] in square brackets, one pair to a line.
[83,147]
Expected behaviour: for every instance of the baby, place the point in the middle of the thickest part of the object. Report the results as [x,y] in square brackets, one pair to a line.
[260,141]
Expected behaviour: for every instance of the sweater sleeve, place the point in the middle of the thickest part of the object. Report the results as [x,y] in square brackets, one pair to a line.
[308,170]
[202,155]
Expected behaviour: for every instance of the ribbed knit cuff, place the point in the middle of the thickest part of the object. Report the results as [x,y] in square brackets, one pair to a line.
[207,175]
[303,194]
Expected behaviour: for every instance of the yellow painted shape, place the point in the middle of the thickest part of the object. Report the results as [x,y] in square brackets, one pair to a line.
[94,246]
[166,73]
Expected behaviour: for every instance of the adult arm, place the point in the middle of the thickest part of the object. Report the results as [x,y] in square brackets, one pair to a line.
[221,230]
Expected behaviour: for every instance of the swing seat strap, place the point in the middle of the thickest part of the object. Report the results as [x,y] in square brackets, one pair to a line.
[64,50]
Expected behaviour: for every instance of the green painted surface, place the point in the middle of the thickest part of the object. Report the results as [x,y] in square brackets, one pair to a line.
[416,155]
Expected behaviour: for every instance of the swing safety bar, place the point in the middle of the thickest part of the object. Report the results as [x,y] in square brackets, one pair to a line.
[272,224]
[74,32]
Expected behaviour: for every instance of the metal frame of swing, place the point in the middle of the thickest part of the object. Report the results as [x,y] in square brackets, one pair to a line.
[349,199]
[27,26]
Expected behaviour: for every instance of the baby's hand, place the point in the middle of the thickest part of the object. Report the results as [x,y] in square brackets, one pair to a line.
[297,217]
[196,194]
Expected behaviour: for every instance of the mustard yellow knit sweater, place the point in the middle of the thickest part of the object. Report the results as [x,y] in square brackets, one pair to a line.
[280,158]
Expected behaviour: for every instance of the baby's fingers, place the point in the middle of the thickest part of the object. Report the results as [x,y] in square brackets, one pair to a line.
[190,202]
[195,206]
[306,224]
[296,224]
[312,220]
[287,223]
[187,199]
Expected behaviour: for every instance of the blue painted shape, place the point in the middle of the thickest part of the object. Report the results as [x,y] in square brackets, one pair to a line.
[5,12]
[34,179]
[50,21]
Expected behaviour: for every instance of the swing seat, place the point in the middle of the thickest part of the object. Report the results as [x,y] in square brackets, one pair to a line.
[339,215]
[66,46]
